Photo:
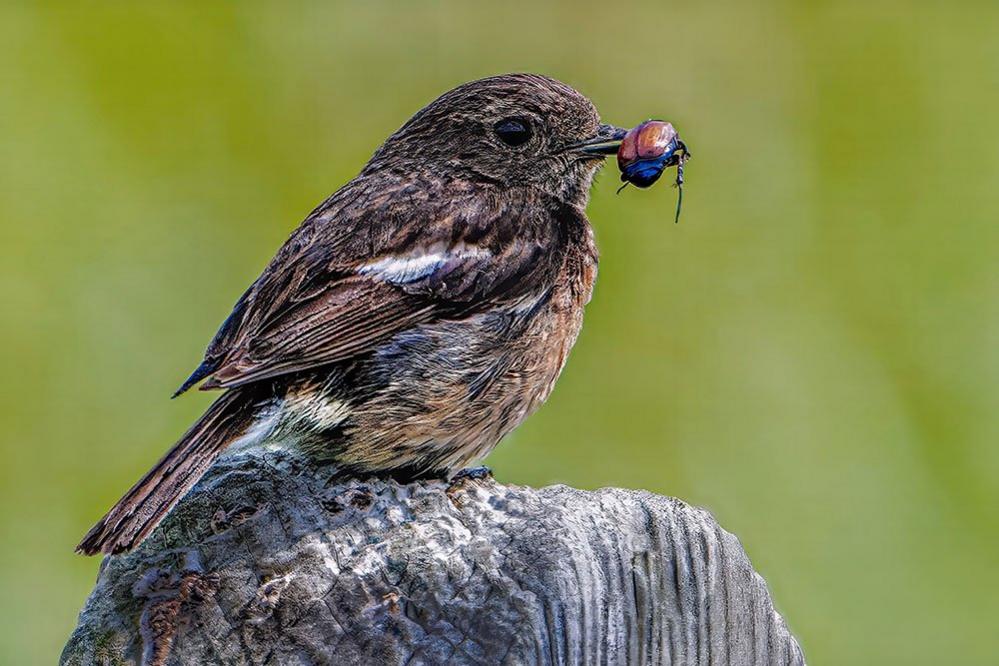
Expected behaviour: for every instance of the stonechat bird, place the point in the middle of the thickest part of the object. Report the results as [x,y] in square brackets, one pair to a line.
[419,314]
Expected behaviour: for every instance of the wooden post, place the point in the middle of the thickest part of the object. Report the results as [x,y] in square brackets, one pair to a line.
[272,561]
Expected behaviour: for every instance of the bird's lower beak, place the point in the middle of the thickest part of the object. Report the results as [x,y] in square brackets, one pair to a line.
[605,142]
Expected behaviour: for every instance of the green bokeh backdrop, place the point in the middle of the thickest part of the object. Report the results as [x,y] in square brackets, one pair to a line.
[811,353]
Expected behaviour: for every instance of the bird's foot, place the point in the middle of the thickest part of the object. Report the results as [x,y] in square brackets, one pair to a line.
[469,474]
[472,474]
[458,485]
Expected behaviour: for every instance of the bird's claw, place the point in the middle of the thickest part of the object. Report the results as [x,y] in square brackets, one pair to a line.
[471,474]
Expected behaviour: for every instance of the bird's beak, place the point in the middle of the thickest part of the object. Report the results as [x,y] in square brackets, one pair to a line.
[605,142]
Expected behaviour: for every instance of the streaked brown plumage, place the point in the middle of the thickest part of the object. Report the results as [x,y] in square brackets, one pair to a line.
[420,313]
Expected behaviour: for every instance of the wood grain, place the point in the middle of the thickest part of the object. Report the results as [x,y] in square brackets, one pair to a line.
[272,561]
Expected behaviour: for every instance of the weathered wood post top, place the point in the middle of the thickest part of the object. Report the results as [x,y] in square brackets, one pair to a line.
[272,561]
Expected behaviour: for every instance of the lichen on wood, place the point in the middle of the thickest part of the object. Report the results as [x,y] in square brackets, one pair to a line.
[270,560]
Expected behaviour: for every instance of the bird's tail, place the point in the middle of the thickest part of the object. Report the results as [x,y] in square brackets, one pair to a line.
[145,505]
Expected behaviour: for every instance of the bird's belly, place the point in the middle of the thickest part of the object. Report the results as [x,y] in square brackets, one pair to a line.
[440,397]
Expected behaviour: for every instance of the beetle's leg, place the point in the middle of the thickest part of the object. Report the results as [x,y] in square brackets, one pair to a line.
[679,203]
[679,189]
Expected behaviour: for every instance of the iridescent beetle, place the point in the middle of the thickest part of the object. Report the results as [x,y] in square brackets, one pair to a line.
[649,149]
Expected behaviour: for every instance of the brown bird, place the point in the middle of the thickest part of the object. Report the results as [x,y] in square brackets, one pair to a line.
[419,314]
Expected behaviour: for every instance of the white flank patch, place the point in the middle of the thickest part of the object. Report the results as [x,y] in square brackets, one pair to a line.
[258,432]
[405,268]
[328,414]
[318,411]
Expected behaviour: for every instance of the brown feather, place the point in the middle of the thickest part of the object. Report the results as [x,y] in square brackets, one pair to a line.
[142,508]
[303,314]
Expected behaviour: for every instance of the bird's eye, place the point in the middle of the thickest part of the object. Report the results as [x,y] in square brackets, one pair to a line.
[513,131]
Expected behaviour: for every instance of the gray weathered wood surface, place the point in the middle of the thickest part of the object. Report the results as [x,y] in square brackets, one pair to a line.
[270,561]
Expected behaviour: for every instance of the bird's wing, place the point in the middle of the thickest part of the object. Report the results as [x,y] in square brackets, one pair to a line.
[341,286]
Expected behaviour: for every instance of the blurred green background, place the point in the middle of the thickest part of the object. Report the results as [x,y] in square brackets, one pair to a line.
[811,353]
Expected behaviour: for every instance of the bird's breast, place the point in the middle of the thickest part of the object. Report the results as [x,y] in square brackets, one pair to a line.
[441,395]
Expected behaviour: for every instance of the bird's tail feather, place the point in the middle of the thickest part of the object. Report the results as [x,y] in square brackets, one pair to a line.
[147,503]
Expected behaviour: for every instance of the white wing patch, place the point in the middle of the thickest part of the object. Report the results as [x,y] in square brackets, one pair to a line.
[528,302]
[410,267]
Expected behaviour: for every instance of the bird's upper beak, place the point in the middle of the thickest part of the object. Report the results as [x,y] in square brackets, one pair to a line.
[605,142]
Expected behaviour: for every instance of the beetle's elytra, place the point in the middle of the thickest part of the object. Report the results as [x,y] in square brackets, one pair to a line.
[649,149]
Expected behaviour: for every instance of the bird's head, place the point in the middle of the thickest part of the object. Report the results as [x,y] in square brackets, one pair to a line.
[515,130]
